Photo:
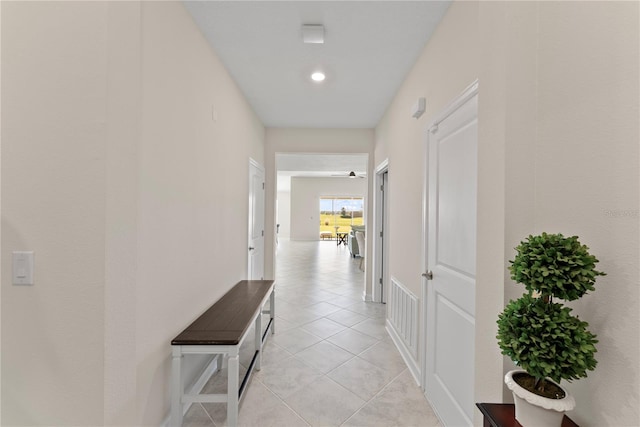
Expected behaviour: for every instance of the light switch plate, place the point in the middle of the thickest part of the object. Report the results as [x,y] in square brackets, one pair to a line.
[22,268]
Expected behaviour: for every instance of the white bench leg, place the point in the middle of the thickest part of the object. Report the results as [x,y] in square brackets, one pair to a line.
[272,310]
[232,390]
[258,327]
[176,387]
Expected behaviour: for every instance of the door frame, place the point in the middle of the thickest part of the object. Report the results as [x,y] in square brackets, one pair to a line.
[254,164]
[466,95]
[380,247]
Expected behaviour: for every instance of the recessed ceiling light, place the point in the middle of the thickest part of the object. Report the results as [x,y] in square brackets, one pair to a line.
[317,76]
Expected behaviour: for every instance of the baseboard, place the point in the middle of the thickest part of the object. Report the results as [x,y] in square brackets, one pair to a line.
[409,360]
[366,297]
[198,385]
[433,407]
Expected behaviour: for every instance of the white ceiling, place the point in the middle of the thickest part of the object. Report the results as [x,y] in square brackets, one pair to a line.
[369,48]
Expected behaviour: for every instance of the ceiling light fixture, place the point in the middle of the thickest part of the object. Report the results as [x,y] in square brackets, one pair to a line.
[313,33]
[317,76]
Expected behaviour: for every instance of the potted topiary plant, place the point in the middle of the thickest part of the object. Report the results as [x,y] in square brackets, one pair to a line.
[539,334]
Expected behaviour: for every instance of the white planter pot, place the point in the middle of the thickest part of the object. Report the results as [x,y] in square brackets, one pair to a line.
[537,411]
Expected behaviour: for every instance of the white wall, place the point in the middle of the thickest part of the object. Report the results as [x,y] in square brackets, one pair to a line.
[305,202]
[114,173]
[439,76]
[0,211]
[54,74]
[124,101]
[284,213]
[192,224]
[558,152]
[587,182]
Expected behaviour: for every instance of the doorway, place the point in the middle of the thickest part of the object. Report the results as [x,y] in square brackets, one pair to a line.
[319,195]
[381,253]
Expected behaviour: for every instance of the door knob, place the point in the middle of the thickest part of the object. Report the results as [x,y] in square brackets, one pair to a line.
[428,275]
[251,248]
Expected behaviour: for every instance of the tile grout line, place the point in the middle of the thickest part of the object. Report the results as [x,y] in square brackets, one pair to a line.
[208,416]
[375,395]
[284,402]
[326,375]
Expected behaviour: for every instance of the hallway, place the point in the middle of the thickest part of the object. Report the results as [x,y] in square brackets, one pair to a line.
[330,362]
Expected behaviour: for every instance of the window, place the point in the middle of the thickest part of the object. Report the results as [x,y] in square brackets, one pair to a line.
[338,214]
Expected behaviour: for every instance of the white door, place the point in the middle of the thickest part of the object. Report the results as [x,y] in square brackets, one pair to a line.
[451,261]
[256,221]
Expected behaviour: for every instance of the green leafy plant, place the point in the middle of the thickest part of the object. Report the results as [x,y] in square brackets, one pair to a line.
[540,335]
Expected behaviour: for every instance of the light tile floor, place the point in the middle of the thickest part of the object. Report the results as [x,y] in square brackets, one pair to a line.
[330,362]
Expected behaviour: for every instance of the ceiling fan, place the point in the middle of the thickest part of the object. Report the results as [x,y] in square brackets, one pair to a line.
[351,174]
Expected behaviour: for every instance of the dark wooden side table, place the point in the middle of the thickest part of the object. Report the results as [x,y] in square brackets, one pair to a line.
[504,415]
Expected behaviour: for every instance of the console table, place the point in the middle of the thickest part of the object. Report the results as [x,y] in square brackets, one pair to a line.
[221,331]
[504,415]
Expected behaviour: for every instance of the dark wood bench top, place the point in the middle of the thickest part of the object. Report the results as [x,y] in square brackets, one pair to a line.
[226,321]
